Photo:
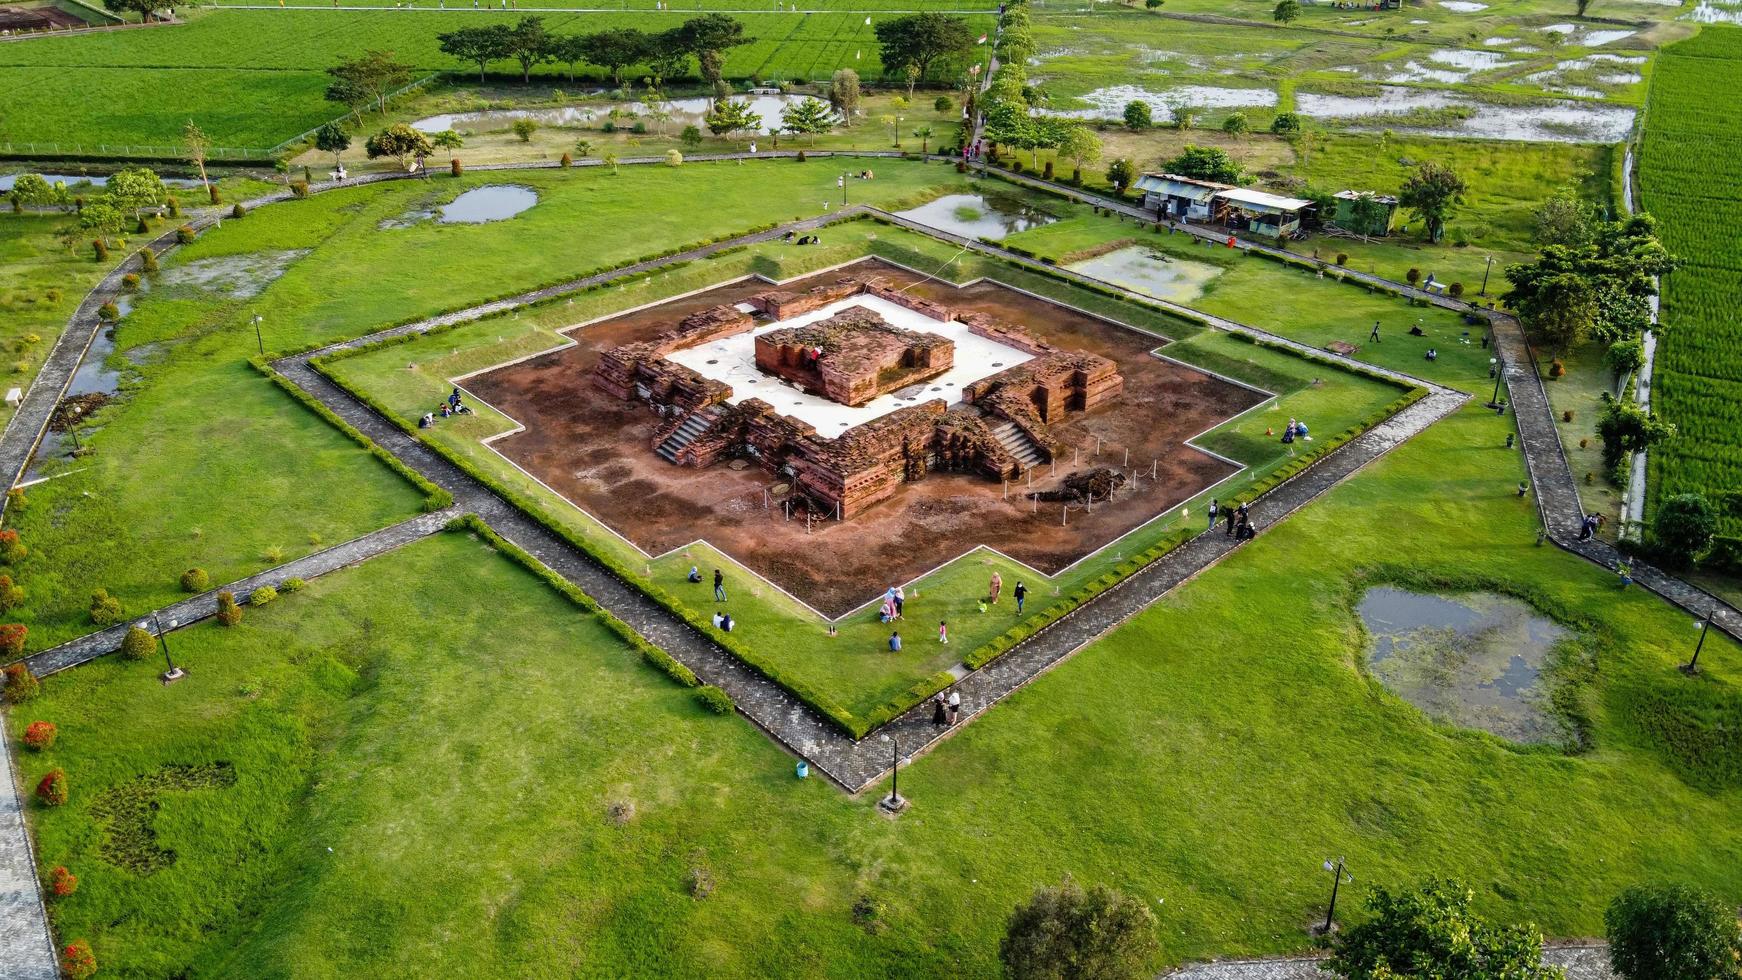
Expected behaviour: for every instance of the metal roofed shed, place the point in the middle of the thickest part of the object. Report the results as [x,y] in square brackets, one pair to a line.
[1173,196]
[1261,213]
[1364,213]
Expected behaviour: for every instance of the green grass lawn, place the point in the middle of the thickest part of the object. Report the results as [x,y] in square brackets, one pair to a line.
[456,736]
[44,283]
[205,462]
[851,670]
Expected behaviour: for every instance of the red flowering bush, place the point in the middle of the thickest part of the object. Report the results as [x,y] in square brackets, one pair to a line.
[77,961]
[11,594]
[12,639]
[21,684]
[62,882]
[52,790]
[40,735]
[11,551]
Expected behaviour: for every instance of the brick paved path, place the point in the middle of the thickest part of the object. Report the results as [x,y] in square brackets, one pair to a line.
[1582,962]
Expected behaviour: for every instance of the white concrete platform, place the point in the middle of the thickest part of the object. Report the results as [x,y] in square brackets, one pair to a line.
[733,361]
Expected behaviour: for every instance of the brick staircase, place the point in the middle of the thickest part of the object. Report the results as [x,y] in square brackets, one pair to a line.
[1017,443]
[694,426]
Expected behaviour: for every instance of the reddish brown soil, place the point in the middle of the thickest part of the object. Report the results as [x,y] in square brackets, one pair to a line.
[597,452]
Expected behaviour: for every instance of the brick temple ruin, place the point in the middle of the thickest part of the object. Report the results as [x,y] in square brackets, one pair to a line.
[1001,428]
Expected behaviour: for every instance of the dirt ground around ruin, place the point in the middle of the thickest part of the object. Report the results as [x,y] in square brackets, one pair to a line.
[598,453]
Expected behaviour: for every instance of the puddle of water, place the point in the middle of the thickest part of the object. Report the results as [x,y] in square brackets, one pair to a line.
[95,180]
[1596,39]
[1500,42]
[1147,271]
[1110,102]
[1416,72]
[1463,6]
[1556,122]
[498,202]
[978,216]
[1709,12]
[242,276]
[683,112]
[1474,660]
[1471,60]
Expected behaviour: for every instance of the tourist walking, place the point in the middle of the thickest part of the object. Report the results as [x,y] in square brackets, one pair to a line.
[943,632]
[940,713]
[1212,513]
[996,588]
[1374,336]
[900,601]
[955,707]
[1228,515]
[1021,593]
[719,586]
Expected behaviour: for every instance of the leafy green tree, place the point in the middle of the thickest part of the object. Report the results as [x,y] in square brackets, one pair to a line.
[135,189]
[1066,933]
[1285,124]
[447,140]
[926,41]
[524,128]
[1431,934]
[1152,4]
[844,96]
[198,146]
[708,37]
[1367,215]
[616,49]
[1236,124]
[1137,115]
[102,217]
[585,146]
[731,116]
[1205,163]
[1120,173]
[568,49]
[398,141]
[478,45]
[1599,289]
[333,139]
[144,8]
[1286,12]
[1563,220]
[807,118]
[1672,932]
[1625,356]
[32,190]
[942,104]
[609,159]
[1080,146]
[691,138]
[1682,530]
[1626,428]
[668,53]
[373,74]
[1433,192]
[530,44]
[350,95]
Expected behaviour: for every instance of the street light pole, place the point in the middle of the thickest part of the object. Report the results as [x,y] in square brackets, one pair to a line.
[258,339]
[841,182]
[1693,666]
[1487,269]
[1336,871]
[174,673]
[1498,365]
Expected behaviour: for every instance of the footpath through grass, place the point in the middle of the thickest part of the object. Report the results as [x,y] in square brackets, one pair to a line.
[44,283]
[205,462]
[465,745]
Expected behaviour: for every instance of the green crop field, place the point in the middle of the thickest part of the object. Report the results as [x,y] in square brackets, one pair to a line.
[254,78]
[1690,175]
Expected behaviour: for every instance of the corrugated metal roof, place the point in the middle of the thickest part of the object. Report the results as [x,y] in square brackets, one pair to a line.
[1259,199]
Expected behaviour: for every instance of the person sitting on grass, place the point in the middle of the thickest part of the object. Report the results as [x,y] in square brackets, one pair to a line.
[895,642]
[695,575]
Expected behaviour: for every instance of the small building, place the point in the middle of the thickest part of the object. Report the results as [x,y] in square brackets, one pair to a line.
[1379,225]
[1259,213]
[1185,198]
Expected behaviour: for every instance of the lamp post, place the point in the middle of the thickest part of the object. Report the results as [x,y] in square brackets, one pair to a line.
[1485,270]
[1693,666]
[1496,369]
[258,339]
[894,803]
[1337,879]
[841,182]
[174,673]
[73,425]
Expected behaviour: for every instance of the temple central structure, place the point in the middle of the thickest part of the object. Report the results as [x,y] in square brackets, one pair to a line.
[911,385]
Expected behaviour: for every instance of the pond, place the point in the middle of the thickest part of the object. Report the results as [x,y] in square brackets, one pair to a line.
[1144,270]
[1437,112]
[978,215]
[684,112]
[498,202]
[1475,660]
[1109,103]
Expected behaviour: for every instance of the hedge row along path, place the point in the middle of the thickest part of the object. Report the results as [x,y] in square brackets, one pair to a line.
[1586,961]
[26,949]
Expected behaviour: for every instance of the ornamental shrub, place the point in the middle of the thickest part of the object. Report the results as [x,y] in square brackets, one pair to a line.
[262,595]
[77,961]
[1342,258]
[130,281]
[212,192]
[138,643]
[21,684]
[1413,275]
[10,594]
[62,882]
[40,735]
[229,613]
[1672,932]
[142,228]
[942,104]
[1047,173]
[567,161]
[105,608]
[12,551]
[455,167]
[292,585]
[12,639]
[299,189]
[52,788]
[1567,416]
[1557,369]
[173,207]
[148,260]
[714,699]
[800,157]
[238,211]
[195,580]
[100,250]
[185,233]
[109,312]
[1456,290]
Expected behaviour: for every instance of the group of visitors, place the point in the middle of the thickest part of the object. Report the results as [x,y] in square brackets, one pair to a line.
[894,601]
[722,619]
[1239,521]
[449,408]
[795,239]
[1588,529]
[1296,430]
[946,710]
[995,591]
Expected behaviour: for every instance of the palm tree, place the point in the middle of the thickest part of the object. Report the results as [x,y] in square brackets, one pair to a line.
[924,134]
[609,158]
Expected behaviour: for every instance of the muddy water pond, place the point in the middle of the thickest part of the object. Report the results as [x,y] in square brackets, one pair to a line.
[1474,660]
[1435,112]
[683,112]
[498,202]
[1152,273]
[988,216]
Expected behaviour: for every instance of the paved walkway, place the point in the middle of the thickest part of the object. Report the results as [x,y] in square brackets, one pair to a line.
[1582,962]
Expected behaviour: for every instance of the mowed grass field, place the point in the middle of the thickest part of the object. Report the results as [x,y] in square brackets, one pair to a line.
[254,78]
[441,768]
[1690,178]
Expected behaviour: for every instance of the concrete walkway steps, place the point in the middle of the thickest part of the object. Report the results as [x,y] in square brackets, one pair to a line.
[1018,444]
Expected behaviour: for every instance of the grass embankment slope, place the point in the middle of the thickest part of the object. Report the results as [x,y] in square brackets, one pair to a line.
[457,736]
[207,463]
[1690,179]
